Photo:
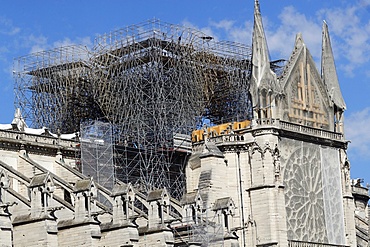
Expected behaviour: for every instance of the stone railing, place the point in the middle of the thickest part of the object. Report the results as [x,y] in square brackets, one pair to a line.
[293,243]
[311,131]
[267,121]
[360,190]
[301,129]
[228,138]
[36,139]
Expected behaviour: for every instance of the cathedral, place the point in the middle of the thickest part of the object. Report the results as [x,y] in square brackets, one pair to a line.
[280,176]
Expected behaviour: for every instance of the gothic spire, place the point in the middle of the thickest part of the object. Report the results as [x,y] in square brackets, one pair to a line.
[260,53]
[328,70]
[262,75]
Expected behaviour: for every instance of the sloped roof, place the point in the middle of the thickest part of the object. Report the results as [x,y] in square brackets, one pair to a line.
[82,185]
[189,198]
[210,149]
[39,180]
[121,189]
[156,195]
[223,203]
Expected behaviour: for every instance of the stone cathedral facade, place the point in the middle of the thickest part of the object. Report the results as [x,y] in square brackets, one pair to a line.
[279,179]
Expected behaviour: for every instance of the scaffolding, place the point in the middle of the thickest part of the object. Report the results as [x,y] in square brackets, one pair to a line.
[50,89]
[208,232]
[154,82]
[97,153]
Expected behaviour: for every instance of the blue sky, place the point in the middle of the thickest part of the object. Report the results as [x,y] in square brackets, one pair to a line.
[31,26]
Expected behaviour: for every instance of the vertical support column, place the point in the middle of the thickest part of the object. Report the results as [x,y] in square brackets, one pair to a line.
[157,231]
[266,222]
[6,228]
[5,221]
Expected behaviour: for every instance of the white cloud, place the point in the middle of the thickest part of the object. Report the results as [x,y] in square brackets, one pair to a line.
[206,30]
[226,30]
[242,34]
[364,3]
[64,42]
[223,24]
[293,22]
[367,73]
[357,131]
[351,28]
[8,84]
[3,51]
[84,41]
[36,43]
[7,27]
[40,43]
[348,69]
[32,44]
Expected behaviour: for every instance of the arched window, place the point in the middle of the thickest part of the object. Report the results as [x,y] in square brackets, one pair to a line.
[226,219]
[193,214]
[160,211]
[86,203]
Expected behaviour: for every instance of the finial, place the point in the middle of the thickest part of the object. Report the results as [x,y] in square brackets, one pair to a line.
[257,6]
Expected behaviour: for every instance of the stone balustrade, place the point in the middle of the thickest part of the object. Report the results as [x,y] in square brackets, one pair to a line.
[34,138]
[360,190]
[293,243]
[301,129]
[311,131]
